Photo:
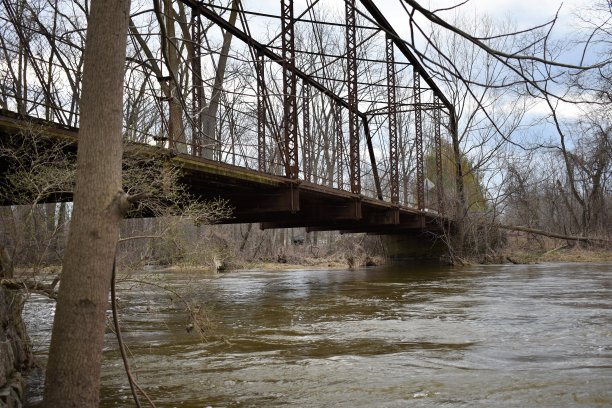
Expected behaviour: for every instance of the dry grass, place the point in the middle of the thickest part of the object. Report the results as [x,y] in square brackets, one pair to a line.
[527,249]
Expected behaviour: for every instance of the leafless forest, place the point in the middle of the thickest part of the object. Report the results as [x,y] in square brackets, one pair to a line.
[532,137]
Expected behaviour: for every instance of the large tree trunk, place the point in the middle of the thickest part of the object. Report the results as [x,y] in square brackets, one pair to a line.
[6,263]
[73,371]
[7,229]
[175,123]
[461,207]
[211,139]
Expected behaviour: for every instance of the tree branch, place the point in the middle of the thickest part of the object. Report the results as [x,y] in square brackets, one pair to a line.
[552,234]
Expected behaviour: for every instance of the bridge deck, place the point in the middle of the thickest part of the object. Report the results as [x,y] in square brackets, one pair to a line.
[271,200]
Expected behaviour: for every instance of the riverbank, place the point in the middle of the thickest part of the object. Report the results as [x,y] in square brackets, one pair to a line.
[517,256]
[283,264]
[560,254]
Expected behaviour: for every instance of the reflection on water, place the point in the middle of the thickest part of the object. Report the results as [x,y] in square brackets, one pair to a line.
[386,337]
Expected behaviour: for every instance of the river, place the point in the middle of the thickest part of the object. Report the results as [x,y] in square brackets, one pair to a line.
[483,336]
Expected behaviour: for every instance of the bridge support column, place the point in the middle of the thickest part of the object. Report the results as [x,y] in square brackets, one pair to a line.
[415,247]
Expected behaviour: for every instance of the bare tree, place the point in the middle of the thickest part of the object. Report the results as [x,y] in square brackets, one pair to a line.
[73,371]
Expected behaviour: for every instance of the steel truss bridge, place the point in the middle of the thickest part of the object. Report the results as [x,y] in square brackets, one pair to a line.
[317,116]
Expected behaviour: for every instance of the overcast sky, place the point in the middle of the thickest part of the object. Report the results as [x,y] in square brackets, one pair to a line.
[524,13]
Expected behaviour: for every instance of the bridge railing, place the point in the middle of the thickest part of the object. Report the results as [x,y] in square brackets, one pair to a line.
[312,94]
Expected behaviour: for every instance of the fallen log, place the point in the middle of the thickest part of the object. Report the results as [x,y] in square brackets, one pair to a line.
[32,286]
[553,234]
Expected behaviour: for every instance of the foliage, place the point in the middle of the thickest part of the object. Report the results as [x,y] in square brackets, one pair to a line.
[38,169]
[472,181]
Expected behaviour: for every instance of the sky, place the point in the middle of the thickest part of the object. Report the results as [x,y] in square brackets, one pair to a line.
[523,13]
[526,13]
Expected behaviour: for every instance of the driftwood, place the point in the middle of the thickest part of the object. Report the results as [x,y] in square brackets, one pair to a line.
[554,235]
[32,286]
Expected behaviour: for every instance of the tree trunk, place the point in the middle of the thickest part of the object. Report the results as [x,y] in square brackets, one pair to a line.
[11,240]
[554,235]
[175,122]
[6,263]
[61,230]
[461,208]
[211,139]
[73,370]
[245,237]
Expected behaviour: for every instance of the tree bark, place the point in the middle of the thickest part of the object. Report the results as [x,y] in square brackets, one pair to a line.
[554,235]
[175,123]
[73,370]
[211,141]
[6,263]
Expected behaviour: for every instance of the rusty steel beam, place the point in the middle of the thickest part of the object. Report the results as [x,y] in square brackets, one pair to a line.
[438,148]
[366,129]
[274,57]
[306,143]
[290,119]
[168,128]
[392,107]
[403,48]
[339,149]
[351,75]
[197,86]
[261,112]
[418,140]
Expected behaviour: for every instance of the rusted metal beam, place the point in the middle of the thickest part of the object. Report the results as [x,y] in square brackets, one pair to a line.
[307,145]
[403,48]
[289,89]
[418,127]
[197,91]
[351,76]
[261,112]
[438,148]
[366,129]
[392,106]
[339,147]
[274,57]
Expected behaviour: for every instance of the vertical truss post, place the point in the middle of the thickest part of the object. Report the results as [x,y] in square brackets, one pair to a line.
[351,73]
[418,124]
[339,146]
[306,144]
[197,87]
[391,100]
[166,123]
[261,112]
[289,89]
[438,143]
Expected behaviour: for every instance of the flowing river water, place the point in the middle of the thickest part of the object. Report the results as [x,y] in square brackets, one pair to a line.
[484,336]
